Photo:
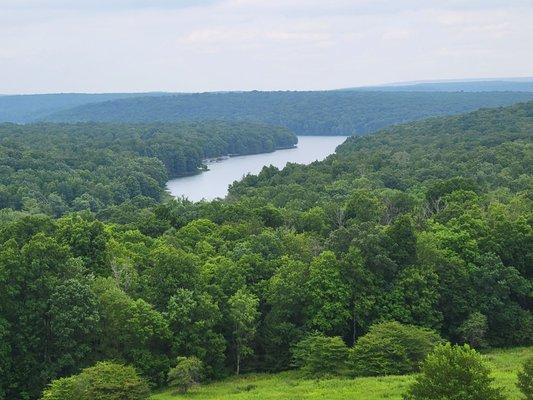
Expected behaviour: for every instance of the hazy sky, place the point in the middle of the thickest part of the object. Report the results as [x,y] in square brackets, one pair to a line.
[186,45]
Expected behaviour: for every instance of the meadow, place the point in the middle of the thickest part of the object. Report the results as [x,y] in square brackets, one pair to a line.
[505,364]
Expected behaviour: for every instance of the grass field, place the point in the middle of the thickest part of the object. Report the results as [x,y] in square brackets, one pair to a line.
[289,385]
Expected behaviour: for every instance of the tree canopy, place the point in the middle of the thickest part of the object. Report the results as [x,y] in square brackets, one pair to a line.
[427,224]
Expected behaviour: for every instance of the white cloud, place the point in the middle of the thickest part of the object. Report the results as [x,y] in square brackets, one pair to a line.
[50,46]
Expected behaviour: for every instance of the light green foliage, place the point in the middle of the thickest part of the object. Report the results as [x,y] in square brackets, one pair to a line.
[319,355]
[69,388]
[454,373]
[186,374]
[291,385]
[104,381]
[390,348]
[243,313]
[313,220]
[525,379]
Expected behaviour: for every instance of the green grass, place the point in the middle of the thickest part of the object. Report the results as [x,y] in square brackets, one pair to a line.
[290,385]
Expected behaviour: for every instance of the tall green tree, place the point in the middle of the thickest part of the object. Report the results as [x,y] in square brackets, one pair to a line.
[328,297]
[244,313]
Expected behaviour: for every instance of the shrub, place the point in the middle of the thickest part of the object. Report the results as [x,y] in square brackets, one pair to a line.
[319,355]
[63,389]
[525,379]
[454,373]
[185,374]
[246,388]
[104,381]
[390,348]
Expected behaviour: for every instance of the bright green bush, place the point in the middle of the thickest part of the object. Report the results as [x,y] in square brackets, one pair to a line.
[104,381]
[454,373]
[319,355]
[64,389]
[525,379]
[390,348]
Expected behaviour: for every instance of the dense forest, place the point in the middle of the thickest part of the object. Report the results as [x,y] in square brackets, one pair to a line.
[304,113]
[33,107]
[425,224]
[56,168]
[37,107]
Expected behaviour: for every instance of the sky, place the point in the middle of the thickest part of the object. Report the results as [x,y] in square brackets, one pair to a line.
[50,46]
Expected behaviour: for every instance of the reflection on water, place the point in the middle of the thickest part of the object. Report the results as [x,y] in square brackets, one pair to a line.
[214,183]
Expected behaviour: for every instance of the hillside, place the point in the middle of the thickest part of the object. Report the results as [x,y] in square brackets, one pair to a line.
[491,147]
[56,168]
[289,385]
[305,113]
[426,224]
[34,107]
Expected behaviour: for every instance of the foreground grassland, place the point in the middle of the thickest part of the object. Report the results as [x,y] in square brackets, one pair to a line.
[290,385]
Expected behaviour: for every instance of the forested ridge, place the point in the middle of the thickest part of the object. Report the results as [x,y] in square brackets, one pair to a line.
[305,113]
[56,168]
[34,107]
[426,224]
[525,85]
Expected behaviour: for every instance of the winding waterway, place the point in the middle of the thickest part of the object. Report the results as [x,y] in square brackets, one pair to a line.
[214,183]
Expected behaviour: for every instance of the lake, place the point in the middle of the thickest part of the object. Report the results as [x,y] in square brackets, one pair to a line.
[214,183]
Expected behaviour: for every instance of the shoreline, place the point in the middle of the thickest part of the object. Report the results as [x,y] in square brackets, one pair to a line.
[217,159]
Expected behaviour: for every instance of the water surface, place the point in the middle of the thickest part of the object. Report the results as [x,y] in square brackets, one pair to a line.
[214,183]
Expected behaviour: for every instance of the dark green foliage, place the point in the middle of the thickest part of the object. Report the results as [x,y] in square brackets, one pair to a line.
[390,348]
[308,113]
[454,373]
[474,330]
[28,108]
[402,234]
[104,381]
[363,206]
[414,299]
[525,379]
[48,317]
[193,318]
[319,355]
[327,295]
[458,231]
[55,168]
[185,375]
[428,224]
[132,331]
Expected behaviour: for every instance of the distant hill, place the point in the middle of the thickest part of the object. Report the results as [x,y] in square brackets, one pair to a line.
[525,85]
[33,107]
[306,113]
